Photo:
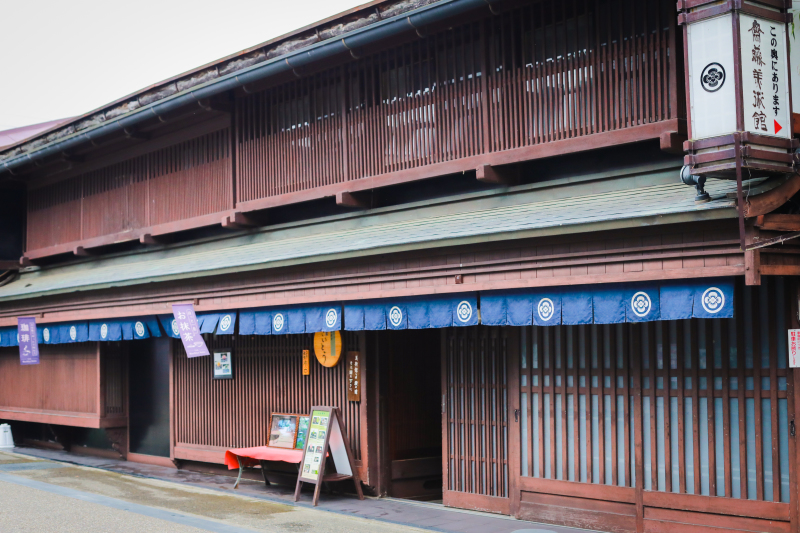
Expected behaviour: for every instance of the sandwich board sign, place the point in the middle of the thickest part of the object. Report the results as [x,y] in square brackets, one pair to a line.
[326,436]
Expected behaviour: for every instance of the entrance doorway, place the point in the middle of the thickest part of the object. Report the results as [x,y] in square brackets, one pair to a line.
[149,397]
[414,427]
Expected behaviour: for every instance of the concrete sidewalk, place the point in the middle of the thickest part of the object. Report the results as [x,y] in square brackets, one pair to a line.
[384,514]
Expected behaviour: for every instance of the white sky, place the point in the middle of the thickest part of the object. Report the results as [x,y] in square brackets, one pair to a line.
[64,58]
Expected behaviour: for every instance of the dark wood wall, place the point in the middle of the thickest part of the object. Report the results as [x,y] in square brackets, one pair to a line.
[73,385]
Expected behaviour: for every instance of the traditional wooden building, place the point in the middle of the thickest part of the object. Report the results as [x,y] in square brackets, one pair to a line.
[485,198]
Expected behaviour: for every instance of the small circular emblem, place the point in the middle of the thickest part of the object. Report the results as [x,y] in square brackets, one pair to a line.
[175,330]
[277,322]
[330,318]
[139,327]
[641,304]
[225,323]
[104,331]
[464,311]
[713,300]
[46,334]
[395,316]
[546,309]
[73,333]
[713,77]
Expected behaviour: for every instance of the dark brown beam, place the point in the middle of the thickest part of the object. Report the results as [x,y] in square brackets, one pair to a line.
[771,200]
[672,142]
[146,238]
[238,220]
[778,222]
[348,199]
[9,265]
[490,174]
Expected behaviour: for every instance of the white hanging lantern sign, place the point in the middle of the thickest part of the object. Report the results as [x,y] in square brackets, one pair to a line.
[738,87]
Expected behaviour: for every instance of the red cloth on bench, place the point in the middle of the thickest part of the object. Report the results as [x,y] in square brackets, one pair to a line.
[251,456]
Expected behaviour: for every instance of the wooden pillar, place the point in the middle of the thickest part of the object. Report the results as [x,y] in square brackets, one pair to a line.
[515,417]
[793,403]
[172,400]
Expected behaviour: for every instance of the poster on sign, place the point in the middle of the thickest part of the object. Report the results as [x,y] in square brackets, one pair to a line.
[794,348]
[28,341]
[326,436]
[186,324]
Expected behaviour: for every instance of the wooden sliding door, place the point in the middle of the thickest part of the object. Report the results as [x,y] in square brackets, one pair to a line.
[475,421]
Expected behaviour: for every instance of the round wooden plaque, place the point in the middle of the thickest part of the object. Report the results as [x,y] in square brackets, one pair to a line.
[328,347]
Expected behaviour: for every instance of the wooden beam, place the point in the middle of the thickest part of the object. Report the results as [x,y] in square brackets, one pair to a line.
[9,265]
[672,142]
[80,251]
[348,199]
[752,259]
[778,222]
[490,174]
[237,220]
[146,238]
[771,200]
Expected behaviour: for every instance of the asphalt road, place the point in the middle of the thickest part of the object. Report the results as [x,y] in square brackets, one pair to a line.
[44,496]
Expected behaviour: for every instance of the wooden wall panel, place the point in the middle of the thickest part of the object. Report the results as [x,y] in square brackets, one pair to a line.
[267,378]
[65,380]
[187,180]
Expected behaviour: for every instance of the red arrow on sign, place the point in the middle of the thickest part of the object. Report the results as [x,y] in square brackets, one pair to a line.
[778,127]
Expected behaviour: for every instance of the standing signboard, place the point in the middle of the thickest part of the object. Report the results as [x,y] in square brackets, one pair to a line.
[186,324]
[326,436]
[28,341]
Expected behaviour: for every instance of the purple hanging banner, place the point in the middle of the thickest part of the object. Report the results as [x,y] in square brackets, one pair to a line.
[28,342]
[186,322]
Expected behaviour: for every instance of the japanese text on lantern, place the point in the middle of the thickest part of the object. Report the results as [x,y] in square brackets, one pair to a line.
[765,89]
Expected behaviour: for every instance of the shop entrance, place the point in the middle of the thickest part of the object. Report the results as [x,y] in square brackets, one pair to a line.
[149,397]
[414,424]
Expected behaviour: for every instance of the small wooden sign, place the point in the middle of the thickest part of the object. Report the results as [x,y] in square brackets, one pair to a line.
[326,434]
[328,347]
[306,363]
[353,376]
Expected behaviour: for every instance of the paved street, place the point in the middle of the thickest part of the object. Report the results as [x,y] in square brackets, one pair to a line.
[55,491]
[45,496]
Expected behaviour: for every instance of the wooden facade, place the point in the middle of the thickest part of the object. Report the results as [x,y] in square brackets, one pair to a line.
[535,81]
